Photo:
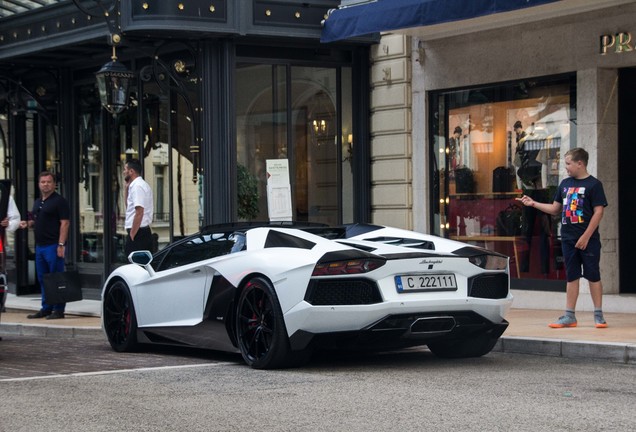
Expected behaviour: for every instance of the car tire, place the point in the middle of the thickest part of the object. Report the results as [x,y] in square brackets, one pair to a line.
[475,346]
[260,328]
[120,321]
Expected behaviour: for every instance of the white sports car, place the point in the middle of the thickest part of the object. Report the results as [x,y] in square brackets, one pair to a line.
[276,292]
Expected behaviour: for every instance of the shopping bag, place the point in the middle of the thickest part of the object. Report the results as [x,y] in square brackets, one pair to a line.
[464,180]
[62,287]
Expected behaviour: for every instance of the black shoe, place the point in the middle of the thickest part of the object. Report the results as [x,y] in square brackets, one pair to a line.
[39,314]
[55,315]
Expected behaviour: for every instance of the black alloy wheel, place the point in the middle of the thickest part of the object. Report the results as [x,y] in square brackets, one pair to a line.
[120,321]
[261,332]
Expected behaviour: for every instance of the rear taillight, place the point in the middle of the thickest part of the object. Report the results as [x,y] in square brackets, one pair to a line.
[489,262]
[345,267]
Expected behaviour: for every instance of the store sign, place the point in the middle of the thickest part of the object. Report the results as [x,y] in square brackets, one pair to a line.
[617,43]
[279,202]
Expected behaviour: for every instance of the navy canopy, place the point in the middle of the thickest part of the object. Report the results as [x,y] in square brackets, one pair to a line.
[386,15]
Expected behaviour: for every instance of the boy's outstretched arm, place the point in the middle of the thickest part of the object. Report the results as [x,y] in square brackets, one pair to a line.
[553,208]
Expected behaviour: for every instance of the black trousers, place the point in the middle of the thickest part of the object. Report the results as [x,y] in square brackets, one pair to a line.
[142,241]
[529,217]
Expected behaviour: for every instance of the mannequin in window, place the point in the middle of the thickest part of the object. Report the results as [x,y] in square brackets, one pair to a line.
[529,169]
[455,144]
[530,179]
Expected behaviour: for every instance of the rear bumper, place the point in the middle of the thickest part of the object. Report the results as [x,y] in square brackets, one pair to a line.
[403,330]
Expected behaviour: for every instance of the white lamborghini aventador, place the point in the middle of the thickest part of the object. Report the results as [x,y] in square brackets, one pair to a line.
[277,292]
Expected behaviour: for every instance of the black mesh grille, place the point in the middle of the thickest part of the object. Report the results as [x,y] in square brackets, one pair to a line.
[342,292]
[492,286]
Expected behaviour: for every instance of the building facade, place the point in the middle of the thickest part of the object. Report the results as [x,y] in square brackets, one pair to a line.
[219,88]
[415,129]
[445,103]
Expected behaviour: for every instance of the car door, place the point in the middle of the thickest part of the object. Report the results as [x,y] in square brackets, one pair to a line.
[175,295]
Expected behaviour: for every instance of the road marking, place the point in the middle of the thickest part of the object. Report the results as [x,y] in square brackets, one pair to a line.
[82,374]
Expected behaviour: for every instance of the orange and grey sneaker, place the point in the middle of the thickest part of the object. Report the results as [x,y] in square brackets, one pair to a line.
[599,322]
[564,321]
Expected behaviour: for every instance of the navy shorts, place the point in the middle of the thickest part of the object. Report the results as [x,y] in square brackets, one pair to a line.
[587,260]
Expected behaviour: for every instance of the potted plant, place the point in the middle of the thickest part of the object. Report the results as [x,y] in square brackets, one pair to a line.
[247,194]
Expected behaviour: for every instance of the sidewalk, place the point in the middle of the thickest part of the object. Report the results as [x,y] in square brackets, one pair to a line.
[82,319]
[528,332]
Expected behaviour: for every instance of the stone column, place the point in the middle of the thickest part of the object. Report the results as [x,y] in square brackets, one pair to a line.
[597,132]
[391,168]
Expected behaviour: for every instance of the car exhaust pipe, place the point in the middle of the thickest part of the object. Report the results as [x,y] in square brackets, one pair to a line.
[433,325]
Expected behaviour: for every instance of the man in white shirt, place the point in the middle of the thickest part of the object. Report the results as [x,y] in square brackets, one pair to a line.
[139,208]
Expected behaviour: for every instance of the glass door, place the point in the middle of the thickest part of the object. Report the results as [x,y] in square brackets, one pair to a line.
[32,139]
[91,180]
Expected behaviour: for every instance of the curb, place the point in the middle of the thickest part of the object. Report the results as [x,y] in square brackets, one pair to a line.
[10,329]
[613,352]
[603,351]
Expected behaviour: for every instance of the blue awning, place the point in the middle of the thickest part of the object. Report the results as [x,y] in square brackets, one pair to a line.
[387,15]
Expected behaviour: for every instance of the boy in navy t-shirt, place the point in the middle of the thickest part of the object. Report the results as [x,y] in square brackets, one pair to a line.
[581,201]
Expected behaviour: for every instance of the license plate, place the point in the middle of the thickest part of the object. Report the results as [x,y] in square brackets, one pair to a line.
[429,282]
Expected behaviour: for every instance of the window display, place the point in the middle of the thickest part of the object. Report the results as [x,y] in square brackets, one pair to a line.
[491,145]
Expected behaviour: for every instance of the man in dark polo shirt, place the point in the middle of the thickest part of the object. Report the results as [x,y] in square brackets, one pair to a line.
[51,220]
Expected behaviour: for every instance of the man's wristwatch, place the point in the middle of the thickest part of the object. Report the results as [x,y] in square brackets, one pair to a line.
[61,244]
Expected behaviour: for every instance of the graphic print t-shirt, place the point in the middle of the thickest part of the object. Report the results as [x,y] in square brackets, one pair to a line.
[579,197]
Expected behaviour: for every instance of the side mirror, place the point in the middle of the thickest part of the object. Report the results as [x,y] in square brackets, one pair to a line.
[142,258]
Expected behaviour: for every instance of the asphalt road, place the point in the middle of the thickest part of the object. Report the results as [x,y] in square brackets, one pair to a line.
[24,357]
[81,385]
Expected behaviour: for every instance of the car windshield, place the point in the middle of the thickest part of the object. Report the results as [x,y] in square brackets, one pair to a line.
[199,247]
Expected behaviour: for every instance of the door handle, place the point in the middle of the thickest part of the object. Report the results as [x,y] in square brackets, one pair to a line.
[195,271]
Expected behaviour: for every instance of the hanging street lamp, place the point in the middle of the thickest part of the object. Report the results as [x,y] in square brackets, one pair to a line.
[113,83]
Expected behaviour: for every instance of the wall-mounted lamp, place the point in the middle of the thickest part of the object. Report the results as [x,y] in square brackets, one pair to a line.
[347,149]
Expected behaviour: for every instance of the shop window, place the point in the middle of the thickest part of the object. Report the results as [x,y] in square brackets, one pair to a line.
[158,132]
[291,112]
[492,144]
